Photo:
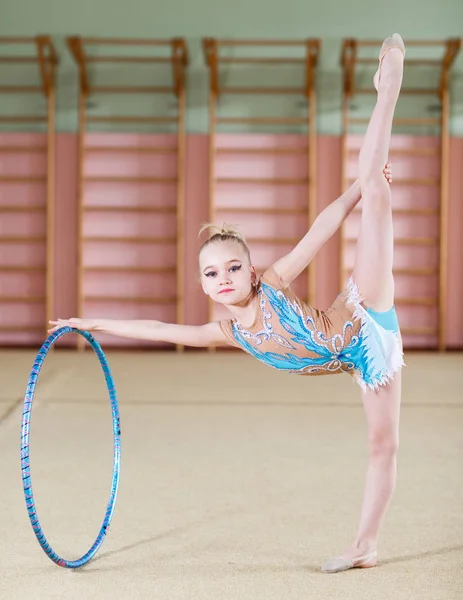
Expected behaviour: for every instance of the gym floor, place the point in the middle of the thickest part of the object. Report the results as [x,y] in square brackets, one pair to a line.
[237,482]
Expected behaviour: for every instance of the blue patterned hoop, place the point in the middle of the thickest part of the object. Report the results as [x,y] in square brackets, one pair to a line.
[25,461]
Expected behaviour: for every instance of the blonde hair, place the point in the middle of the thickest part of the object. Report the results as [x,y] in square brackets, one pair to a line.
[226,233]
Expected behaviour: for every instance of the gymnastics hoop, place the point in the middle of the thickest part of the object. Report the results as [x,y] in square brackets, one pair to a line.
[25,462]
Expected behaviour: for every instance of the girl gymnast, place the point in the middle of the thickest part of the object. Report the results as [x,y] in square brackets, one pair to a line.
[359,334]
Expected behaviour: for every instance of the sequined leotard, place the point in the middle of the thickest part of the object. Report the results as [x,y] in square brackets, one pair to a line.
[290,335]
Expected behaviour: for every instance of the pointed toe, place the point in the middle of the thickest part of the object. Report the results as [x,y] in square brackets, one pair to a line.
[339,564]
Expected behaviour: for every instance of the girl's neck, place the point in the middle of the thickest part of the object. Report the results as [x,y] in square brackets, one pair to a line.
[245,311]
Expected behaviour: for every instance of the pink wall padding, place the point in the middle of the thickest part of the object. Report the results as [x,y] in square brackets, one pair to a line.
[196,212]
[17,285]
[120,225]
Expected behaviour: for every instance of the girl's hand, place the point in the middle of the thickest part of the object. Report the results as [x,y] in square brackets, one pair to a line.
[82,324]
[388,172]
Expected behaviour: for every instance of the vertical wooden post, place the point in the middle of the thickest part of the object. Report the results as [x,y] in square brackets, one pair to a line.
[444,216]
[312,50]
[51,156]
[181,211]
[80,209]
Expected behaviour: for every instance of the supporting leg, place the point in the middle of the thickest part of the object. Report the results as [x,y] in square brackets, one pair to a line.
[382,409]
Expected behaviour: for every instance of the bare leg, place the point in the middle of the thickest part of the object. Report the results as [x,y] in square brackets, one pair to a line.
[373,275]
[382,411]
[374,255]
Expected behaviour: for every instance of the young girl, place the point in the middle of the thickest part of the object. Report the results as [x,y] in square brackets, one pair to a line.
[358,334]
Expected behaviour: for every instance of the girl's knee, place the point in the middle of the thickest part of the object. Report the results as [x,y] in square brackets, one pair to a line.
[383,444]
[375,187]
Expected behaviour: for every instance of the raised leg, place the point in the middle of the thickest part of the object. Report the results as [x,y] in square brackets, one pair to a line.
[374,253]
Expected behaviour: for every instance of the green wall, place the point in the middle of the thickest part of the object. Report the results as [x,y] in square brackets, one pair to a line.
[330,20]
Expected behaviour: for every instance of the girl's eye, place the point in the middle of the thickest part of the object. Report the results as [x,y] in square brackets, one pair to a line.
[211,274]
[235,268]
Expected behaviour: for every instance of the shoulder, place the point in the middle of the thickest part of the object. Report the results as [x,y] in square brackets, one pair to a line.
[212,334]
[272,278]
[279,290]
[223,330]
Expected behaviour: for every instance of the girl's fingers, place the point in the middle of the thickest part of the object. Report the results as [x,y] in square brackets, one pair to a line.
[59,324]
[388,172]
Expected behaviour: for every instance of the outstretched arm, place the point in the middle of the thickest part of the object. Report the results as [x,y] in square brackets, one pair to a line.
[188,335]
[324,226]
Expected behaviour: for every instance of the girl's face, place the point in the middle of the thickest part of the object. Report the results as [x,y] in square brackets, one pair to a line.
[226,275]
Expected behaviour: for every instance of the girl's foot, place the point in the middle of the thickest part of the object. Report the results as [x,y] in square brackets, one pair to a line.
[393,49]
[354,558]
